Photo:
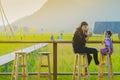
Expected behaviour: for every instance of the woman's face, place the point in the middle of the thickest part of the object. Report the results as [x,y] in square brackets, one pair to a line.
[84,28]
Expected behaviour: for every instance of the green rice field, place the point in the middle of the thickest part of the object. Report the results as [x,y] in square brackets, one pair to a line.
[65,55]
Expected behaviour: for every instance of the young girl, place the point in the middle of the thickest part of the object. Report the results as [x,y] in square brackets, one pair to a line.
[108,44]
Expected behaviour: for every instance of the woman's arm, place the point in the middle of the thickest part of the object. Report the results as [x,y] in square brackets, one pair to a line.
[87,36]
[80,37]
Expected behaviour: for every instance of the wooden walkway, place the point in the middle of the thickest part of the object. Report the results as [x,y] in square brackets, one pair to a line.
[10,56]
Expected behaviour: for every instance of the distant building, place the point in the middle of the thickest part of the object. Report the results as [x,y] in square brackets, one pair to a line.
[100,27]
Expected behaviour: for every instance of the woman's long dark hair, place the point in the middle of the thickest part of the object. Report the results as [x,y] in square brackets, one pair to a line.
[79,28]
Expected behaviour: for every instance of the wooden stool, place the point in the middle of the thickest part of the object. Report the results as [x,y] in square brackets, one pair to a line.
[41,65]
[105,62]
[81,64]
[20,57]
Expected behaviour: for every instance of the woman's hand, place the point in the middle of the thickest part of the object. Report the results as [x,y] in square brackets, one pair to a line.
[89,35]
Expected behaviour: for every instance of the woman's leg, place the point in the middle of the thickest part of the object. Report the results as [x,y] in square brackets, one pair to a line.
[89,58]
[91,51]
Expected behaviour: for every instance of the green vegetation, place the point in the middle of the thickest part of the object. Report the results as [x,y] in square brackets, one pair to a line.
[7,48]
[65,56]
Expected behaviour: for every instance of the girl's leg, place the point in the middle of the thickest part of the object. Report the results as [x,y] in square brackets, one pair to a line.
[103,52]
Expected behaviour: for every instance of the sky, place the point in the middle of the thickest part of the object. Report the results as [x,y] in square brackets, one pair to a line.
[93,10]
[16,9]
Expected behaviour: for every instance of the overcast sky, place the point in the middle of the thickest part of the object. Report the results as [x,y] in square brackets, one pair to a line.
[93,10]
[16,9]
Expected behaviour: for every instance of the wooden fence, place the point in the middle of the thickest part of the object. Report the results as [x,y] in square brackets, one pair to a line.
[55,73]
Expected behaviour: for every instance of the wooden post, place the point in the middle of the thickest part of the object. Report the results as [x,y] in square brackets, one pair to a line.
[54,61]
[23,69]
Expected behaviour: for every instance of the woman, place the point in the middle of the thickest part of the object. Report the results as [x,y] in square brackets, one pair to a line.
[79,43]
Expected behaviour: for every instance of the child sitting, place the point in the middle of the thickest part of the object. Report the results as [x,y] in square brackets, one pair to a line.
[108,43]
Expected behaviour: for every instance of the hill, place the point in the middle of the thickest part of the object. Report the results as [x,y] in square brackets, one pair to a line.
[54,16]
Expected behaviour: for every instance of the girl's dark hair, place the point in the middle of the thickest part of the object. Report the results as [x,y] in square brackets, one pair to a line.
[109,33]
[80,26]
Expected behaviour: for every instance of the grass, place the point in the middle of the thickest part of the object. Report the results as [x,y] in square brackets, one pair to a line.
[7,48]
[65,56]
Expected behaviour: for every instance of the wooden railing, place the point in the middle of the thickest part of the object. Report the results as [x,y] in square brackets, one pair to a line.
[54,50]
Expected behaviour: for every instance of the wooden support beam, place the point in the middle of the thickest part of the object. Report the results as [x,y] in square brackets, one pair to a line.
[55,61]
[45,73]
